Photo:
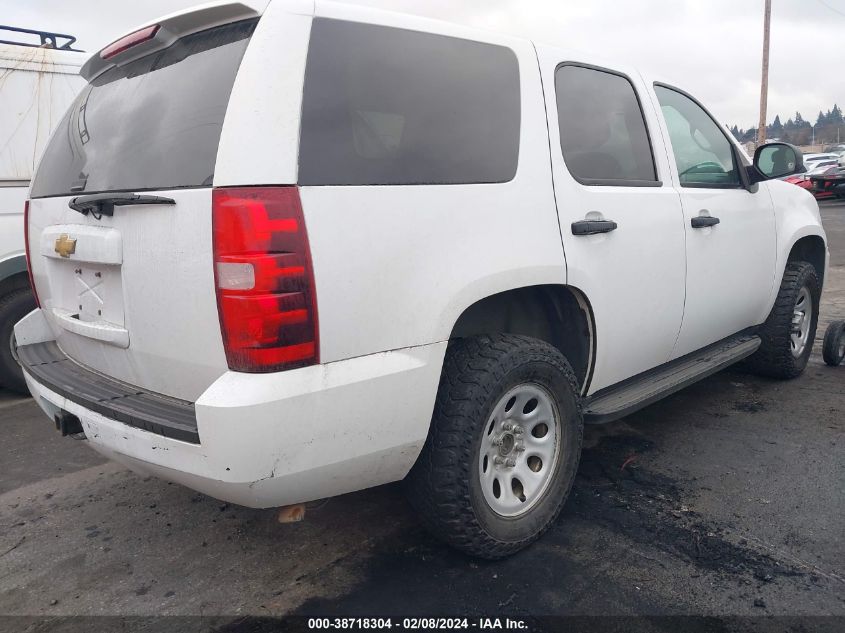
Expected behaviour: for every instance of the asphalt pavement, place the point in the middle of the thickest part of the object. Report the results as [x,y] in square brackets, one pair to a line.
[724,499]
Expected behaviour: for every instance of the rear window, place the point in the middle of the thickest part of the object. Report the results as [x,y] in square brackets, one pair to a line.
[386,106]
[153,123]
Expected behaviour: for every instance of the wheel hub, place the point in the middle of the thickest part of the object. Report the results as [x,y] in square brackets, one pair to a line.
[519,450]
[802,317]
[507,443]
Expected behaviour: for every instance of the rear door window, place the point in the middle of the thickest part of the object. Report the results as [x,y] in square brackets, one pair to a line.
[603,134]
[153,123]
[387,106]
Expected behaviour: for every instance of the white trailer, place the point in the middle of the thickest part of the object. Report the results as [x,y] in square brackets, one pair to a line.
[37,85]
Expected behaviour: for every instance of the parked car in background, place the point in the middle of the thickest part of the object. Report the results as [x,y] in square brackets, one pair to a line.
[39,81]
[804,182]
[820,168]
[324,248]
[811,161]
[830,184]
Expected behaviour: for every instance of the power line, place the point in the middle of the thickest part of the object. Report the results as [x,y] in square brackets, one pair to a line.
[825,4]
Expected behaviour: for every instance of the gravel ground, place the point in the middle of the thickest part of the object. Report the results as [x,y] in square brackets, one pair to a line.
[724,499]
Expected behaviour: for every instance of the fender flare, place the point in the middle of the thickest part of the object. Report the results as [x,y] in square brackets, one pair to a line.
[795,237]
[787,243]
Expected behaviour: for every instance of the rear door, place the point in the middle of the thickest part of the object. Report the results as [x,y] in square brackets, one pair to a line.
[132,294]
[610,169]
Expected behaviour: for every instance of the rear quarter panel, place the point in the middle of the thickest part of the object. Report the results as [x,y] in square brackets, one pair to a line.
[395,266]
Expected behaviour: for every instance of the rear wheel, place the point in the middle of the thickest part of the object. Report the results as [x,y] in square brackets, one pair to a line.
[503,448]
[790,330]
[13,307]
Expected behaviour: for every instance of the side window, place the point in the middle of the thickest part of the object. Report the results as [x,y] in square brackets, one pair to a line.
[603,134]
[703,153]
[387,106]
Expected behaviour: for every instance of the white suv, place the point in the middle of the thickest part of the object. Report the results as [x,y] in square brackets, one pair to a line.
[502,242]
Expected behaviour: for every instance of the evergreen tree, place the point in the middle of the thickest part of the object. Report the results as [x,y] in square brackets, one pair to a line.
[829,128]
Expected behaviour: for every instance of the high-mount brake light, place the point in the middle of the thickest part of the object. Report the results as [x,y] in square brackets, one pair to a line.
[133,39]
[265,282]
[26,250]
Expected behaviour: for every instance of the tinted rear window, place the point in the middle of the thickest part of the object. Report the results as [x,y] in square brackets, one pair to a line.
[386,106]
[153,123]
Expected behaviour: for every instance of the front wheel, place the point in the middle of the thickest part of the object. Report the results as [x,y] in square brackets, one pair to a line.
[790,330]
[504,445]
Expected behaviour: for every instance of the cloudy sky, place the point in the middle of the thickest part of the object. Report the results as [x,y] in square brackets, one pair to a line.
[710,47]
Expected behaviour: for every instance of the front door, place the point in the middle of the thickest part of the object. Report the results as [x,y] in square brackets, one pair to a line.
[621,220]
[730,264]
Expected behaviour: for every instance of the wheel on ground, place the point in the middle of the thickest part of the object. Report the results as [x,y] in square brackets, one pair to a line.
[503,447]
[789,332]
[13,307]
[833,350]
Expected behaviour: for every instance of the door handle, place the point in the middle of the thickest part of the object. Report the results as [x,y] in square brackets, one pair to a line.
[704,221]
[593,227]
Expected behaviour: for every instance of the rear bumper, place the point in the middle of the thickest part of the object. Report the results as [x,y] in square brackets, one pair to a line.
[269,440]
[49,367]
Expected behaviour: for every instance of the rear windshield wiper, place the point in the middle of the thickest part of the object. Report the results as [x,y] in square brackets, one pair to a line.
[100,204]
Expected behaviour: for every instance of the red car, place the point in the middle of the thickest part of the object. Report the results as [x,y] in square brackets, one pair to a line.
[830,184]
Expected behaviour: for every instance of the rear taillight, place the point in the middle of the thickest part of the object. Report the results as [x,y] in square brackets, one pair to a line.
[26,249]
[265,282]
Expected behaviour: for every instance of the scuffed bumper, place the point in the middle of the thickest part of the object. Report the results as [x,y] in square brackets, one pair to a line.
[276,439]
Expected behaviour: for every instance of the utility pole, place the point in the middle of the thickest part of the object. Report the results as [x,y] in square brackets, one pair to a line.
[764,85]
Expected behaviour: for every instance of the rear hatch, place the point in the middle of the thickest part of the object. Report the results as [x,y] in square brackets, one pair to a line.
[132,295]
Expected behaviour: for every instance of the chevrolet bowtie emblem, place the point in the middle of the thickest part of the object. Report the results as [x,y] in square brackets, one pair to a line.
[65,246]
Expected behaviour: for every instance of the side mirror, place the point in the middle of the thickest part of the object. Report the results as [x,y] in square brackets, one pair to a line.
[776,160]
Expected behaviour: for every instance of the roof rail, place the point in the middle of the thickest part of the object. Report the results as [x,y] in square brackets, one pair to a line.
[48,38]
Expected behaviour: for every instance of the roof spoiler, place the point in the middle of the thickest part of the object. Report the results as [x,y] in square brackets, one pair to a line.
[170,28]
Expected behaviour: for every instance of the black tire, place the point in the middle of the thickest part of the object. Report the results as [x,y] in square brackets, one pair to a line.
[774,358]
[833,349]
[443,486]
[13,307]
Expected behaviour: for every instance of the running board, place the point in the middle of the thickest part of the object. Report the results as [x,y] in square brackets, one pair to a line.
[631,395]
